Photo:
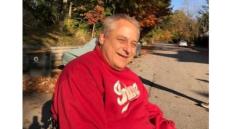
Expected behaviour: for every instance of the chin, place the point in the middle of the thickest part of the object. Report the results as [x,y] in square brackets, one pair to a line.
[121,66]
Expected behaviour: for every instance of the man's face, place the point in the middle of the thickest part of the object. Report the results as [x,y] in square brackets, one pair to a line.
[119,45]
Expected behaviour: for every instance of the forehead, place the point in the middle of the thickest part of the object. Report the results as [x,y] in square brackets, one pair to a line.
[124,28]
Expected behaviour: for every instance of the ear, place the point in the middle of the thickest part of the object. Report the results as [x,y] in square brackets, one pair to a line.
[101,38]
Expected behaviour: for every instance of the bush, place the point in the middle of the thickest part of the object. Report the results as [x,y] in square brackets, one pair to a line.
[158,35]
[82,36]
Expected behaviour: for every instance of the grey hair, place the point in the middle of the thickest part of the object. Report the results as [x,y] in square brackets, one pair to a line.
[108,22]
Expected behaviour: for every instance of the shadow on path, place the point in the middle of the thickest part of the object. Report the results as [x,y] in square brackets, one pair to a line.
[202,93]
[46,114]
[45,117]
[203,80]
[186,56]
[35,124]
[151,84]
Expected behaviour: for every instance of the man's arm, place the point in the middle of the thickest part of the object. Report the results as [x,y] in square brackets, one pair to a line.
[157,119]
[156,115]
[78,101]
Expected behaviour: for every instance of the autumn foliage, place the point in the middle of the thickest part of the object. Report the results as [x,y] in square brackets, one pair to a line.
[148,21]
[95,15]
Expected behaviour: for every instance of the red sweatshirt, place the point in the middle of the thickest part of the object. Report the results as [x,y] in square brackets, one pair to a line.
[90,94]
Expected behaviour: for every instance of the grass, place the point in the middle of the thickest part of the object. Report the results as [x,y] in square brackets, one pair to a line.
[40,84]
[45,37]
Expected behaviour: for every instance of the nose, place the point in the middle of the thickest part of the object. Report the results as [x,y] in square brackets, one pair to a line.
[128,49]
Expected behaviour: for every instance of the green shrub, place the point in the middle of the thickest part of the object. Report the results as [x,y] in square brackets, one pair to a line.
[158,35]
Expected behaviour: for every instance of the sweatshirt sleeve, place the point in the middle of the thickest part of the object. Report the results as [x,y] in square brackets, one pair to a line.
[157,119]
[156,115]
[78,100]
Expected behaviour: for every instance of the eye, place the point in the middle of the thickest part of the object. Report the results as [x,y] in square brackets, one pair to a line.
[122,40]
[134,44]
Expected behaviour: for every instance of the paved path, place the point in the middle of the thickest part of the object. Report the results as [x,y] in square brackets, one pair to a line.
[177,81]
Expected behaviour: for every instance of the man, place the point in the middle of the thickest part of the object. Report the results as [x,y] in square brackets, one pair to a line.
[98,91]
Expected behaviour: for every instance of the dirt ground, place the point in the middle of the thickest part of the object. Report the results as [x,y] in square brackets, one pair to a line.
[176,79]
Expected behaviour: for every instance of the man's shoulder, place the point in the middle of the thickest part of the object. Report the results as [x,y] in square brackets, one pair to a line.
[132,74]
[84,60]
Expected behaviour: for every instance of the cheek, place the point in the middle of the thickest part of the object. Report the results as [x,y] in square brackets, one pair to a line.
[110,52]
[133,51]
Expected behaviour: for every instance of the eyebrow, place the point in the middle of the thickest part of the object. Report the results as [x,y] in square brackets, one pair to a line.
[121,36]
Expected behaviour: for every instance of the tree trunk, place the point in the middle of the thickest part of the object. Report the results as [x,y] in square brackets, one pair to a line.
[93,31]
[70,9]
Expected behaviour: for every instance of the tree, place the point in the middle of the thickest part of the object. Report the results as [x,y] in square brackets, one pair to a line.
[203,20]
[183,27]
[203,23]
[94,16]
[47,12]
[88,14]
[147,12]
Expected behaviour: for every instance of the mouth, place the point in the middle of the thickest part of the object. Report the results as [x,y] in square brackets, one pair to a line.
[123,56]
